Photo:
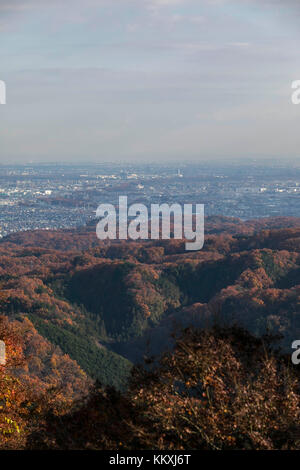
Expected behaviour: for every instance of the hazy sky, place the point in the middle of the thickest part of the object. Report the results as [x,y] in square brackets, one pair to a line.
[101,80]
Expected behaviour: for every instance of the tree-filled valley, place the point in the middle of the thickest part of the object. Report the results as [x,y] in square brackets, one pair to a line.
[155,346]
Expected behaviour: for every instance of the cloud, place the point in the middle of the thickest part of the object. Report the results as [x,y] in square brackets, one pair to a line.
[193,19]
[154,65]
[163,3]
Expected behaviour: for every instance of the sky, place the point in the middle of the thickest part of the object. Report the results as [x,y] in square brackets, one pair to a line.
[149,80]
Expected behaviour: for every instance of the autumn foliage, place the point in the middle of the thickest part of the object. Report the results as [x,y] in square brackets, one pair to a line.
[219,389]
[76,311]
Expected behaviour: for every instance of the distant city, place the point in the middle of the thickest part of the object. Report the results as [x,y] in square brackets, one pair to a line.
[58,196]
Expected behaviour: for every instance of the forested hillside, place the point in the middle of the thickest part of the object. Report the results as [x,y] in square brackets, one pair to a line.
[87,310]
